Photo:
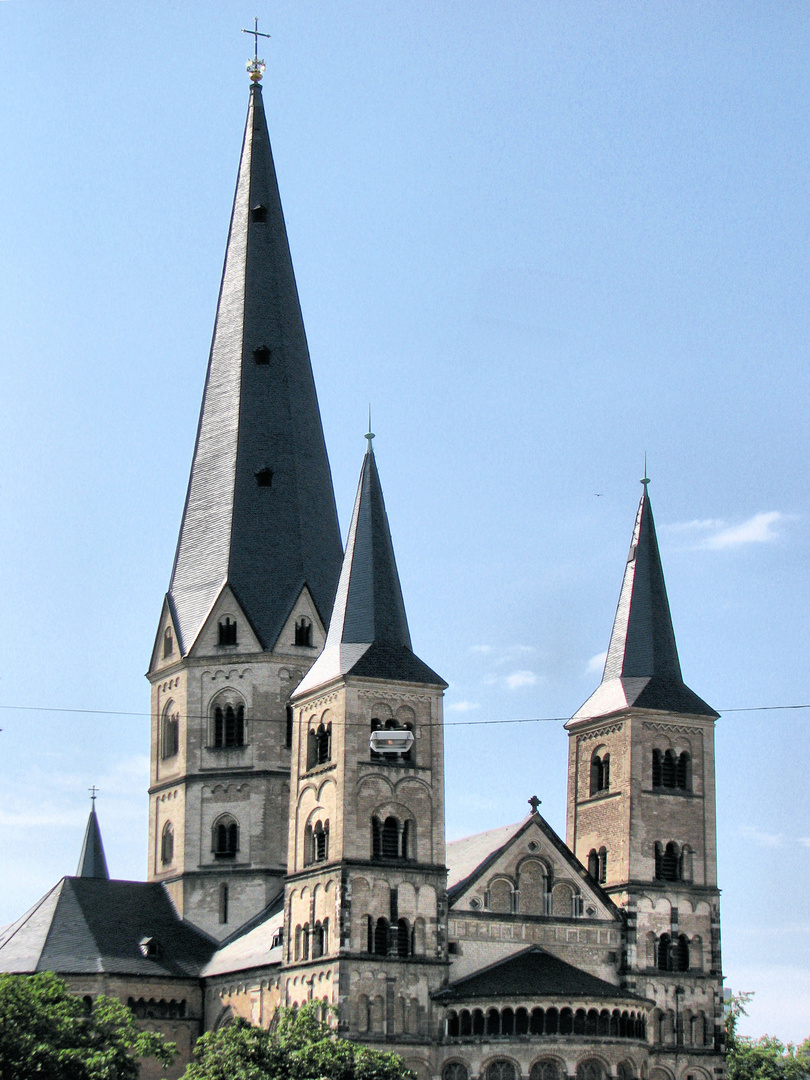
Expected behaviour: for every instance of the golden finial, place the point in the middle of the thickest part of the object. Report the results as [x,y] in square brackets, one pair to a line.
[255,66]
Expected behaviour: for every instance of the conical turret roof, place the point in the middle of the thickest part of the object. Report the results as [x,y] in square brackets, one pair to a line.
[260,510]
[368,632]
[92,861]
[642,667]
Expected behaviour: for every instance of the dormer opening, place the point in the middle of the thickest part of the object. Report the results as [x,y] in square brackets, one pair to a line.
[261,355]
[258,212]
[168,642]
[149,947]
[264,478]
[303,631]
[227,631]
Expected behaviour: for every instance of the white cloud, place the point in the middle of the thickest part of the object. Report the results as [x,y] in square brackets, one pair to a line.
[596,663]
[805,840]
[519,679]
[714,534]
[758,529]
[50,818]
[463,706]
[762,838]
[481,648]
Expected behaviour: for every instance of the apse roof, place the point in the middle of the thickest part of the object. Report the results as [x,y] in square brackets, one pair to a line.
[534,973]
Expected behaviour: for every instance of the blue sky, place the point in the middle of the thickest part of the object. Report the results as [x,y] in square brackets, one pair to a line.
[542,239]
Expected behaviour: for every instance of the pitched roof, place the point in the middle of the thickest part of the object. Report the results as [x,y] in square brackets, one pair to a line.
[92,861]
[256,944]
[259,416]
[368,632]
[86,925]
[642,667]
[532,973]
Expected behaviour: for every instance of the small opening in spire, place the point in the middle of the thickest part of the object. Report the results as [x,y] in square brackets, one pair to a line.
[227,631]
[258,213]
[261,355]
[264,477]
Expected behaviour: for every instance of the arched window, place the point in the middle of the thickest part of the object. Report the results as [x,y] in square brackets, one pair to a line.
[317,941]
[168,642]
[533,887]
[590,1070]
[501,896]
[593,864]
[223,903]
[227,631]
[320,842]
[167,844]
[668,770]
[303,631]
[289,729]
[297,949]
[170,740]
[668,864]
[683,772]
[657,758]
[545,1070]
[229,725]
[683,952]
[381,937]
[225,837]
[602,878]
[600,773]
[323,739]
[685,864]
[390,839]
[305,941]
[403,938]
[454,1070]
[664,957]
[501,1070]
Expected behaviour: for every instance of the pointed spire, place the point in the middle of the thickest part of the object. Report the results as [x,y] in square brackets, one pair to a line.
[260,511]
[642,667]
[92,862]
[368,632]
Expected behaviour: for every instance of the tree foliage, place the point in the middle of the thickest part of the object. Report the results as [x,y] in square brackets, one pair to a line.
[46,1031]
[765,1058]
[300,1047]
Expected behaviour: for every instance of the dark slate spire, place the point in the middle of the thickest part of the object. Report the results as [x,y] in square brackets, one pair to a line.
[368,632]
[92,862]
[642,667]
[260,510]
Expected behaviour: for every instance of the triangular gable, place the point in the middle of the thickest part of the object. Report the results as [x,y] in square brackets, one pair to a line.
[167,622]
[304,606]
[226,606]
[533,838]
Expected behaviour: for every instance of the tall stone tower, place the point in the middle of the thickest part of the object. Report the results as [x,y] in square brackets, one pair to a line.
[365,897]
[641,815]
[253,583]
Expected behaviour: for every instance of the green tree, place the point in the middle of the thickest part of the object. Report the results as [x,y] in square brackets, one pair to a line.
[46,1031]
[765,1058]
[300,1047]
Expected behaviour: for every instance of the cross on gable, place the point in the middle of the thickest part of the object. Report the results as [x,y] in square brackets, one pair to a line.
[534,802]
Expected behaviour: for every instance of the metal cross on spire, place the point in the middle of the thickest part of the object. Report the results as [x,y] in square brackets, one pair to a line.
[369,434]
[93,794]
[255,66]
[645,479]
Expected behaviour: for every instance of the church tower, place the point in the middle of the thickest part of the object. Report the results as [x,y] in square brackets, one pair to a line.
[365,904]
[641,816]
[253,582]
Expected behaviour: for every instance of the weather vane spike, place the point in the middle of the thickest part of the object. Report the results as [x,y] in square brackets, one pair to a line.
[93,793]
[645,479]
[369,433]
[255,66]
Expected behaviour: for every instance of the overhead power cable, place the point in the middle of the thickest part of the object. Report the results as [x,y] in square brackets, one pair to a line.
[446,723]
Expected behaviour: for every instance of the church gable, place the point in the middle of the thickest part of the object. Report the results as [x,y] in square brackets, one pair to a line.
[167,649]
[303,633]
[226,631]
[527,871]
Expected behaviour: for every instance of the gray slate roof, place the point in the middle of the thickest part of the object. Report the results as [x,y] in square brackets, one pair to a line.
[265,542]
[642,667]
[87,925]
[92,861]
[368,632]
[532,973]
